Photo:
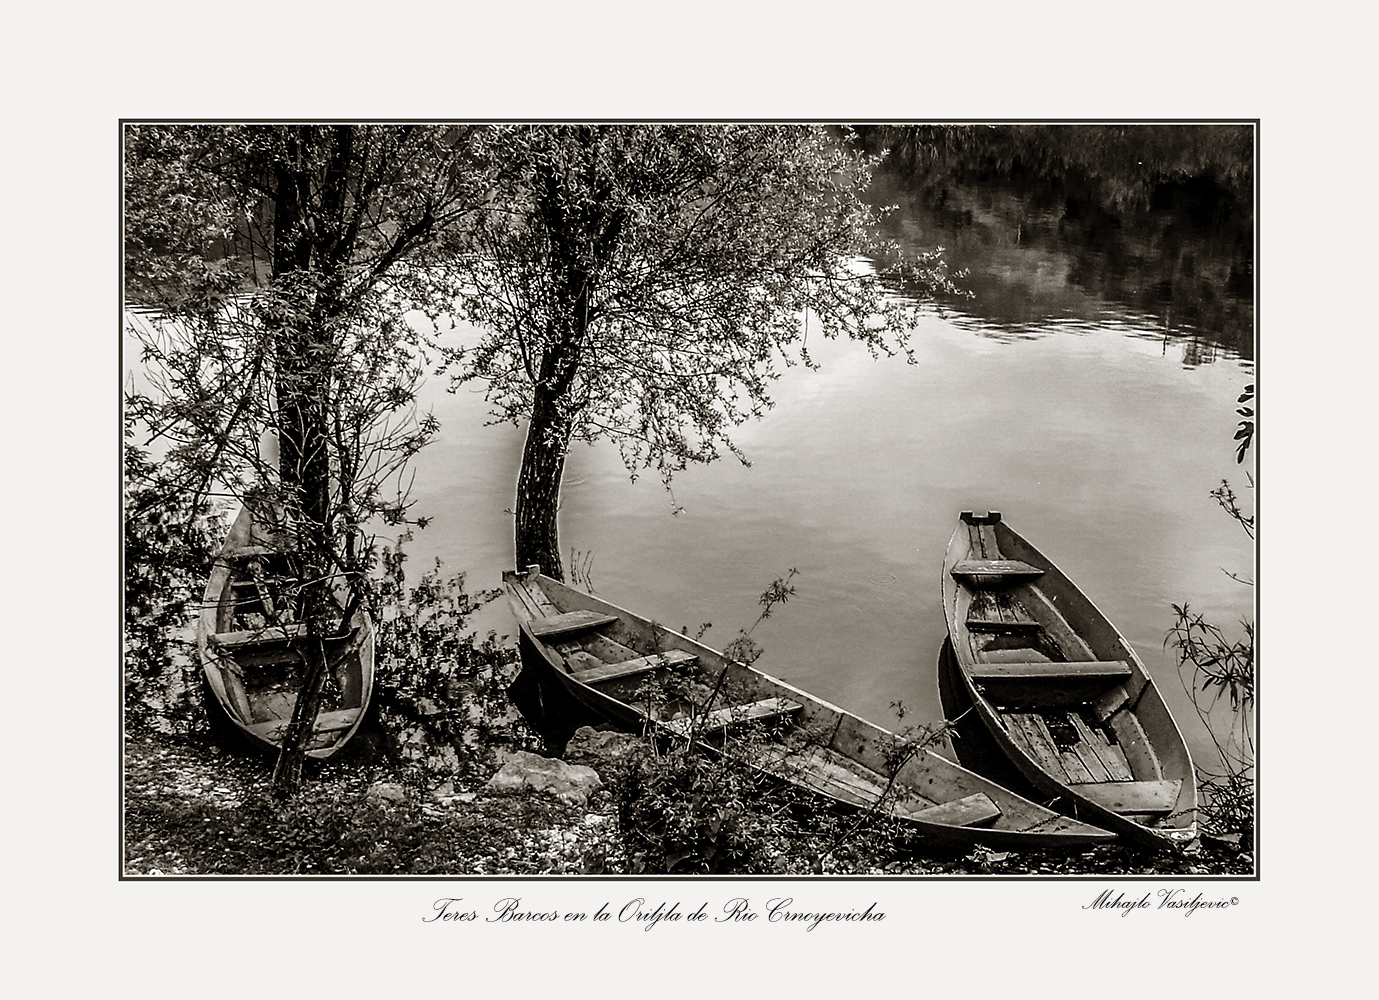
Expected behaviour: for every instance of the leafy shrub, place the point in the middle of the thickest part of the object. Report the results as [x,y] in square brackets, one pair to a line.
[441,690]
[1228,803]
[168,545]
[686,813]
[328,830]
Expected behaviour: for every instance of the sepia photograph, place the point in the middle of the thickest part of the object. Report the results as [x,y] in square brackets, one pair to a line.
[745,499]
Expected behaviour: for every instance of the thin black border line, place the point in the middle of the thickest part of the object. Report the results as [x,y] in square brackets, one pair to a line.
[1255,123]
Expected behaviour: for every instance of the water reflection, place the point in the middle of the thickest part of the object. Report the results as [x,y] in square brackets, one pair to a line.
[1050,231]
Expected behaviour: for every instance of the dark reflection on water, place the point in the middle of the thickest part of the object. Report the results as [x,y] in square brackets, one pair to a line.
[1052,224]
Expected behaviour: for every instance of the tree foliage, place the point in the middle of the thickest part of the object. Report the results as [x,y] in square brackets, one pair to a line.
[645,283]
[166,552]
[277,265]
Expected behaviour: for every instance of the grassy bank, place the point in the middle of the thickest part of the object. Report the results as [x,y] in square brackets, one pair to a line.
[194,809]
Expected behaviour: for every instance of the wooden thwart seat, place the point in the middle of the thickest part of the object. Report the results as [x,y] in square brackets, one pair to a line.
[568,623]
[1016,622]
[1045,670]
[725,717]
[1132,796]
[630,668]
[271,634]
[326,722]
[1010,568]
[262,581]
[967,811]
[261,591]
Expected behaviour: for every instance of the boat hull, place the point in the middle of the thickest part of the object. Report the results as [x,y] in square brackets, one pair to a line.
[251,652]
[811,744]
[1061,692]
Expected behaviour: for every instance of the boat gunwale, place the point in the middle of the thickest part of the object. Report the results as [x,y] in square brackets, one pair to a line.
[1032,837]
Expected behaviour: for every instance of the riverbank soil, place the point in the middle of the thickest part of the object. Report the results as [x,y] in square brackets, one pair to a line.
[192,808]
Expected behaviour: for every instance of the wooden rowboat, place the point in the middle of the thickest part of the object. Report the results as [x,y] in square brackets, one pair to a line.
[1060,690]
[250,642]
[586,661]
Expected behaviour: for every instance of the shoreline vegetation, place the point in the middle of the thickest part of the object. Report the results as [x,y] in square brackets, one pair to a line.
[415,794]
[195,809]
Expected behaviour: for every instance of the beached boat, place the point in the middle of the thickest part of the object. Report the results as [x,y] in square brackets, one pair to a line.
[586,661]
[249,641]
[1061,691]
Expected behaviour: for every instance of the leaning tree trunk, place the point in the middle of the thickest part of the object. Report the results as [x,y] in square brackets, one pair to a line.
[537,538]
[537,535]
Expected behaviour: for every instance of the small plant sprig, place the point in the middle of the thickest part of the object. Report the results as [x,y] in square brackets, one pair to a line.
[1212,667]
[581,570]
[1221,667]
[743,648]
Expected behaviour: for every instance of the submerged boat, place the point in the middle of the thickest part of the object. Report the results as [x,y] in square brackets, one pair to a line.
[586,661]
[250,646]
[1062,693]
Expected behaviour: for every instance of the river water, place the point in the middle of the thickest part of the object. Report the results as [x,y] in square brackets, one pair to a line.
[1067,392]
[1098,427]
